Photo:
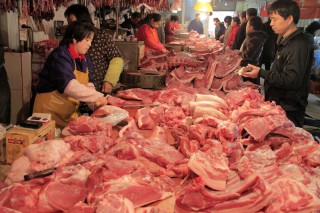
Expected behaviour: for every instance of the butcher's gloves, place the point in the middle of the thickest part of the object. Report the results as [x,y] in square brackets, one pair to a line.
[113,73]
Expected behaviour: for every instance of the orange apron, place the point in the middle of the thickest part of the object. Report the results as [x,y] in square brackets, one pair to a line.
[62,108]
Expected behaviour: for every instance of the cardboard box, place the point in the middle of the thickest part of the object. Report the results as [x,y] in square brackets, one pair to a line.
[17,139]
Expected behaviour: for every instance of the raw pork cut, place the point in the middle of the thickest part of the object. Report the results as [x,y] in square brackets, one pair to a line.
[140,188]
[213,169]
[66,189]
[38,157]
[144,119]
[260,127]
[115,204]
[292,196]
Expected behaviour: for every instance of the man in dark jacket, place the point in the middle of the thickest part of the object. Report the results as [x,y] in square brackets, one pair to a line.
[132,23]
[241,34]
[219,30]
[287,81]
[253,44]
[196,25]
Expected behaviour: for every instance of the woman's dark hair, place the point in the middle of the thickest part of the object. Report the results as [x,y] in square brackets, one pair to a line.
[236,19]
[286,8]
[228,19]
[243,14]
[77,30]
[174,18]
[256,23]
[313,27]
[81,12]
[136,15]
[216,20]
[155,16]
[251,12]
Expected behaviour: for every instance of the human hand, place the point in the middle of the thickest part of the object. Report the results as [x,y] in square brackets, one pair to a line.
[106,87]
[251,71]
[165,51]
[101,102]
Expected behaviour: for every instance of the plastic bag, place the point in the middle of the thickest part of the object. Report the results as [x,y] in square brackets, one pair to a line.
[110,114]
[115,118]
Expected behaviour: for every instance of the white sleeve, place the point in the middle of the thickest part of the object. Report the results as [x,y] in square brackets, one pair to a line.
[82,92]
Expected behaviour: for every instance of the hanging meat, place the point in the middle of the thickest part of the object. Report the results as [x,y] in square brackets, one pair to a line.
[8,5]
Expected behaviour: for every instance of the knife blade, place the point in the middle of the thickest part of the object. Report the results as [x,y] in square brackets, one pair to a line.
[50,171]
[139,105]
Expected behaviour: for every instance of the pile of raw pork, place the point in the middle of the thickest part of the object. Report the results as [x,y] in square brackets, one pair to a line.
[204,150]
[233,153]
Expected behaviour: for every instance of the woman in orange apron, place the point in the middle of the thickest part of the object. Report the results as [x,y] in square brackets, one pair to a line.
[64,79]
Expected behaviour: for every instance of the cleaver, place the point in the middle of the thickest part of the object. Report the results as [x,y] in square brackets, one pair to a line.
[50,171]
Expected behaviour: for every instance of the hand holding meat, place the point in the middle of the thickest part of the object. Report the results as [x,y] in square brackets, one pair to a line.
[107,87]
[101,102]
[250,71]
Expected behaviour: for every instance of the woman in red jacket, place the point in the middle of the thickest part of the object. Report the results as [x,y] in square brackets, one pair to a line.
[171,27]
[147,32]
[235,24]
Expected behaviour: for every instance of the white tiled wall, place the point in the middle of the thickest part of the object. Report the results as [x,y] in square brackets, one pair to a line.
[9,29]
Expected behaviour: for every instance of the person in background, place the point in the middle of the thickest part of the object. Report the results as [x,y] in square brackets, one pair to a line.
[196,25]
[224,38]
[235,25]
[243,17]
[147,32]
[241,35]
[132,23]
[106,59]
[5,93]
[269,48]
[252,45]
[161,33]
[310,32]
[171,27]
[219,30]
[64,79]
[287,83]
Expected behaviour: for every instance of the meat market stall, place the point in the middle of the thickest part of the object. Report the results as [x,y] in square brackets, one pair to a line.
[207,142]
[203,140]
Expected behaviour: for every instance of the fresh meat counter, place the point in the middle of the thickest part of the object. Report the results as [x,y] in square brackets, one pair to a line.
[206,142]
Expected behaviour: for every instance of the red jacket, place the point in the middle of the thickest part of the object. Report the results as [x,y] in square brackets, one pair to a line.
[150,37]
[170,29]
[233,34]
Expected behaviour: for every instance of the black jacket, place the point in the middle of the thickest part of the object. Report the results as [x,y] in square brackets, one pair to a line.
[252,47]
[129,25]
[219,30]
[240,36]
[269,48]
[287,81]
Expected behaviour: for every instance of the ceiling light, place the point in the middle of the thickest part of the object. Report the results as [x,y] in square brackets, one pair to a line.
[203,7]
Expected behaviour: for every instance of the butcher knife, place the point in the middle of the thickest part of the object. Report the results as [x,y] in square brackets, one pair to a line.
[48,172]
[139,105]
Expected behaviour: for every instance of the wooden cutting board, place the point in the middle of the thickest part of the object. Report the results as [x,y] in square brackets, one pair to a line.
[136,79]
